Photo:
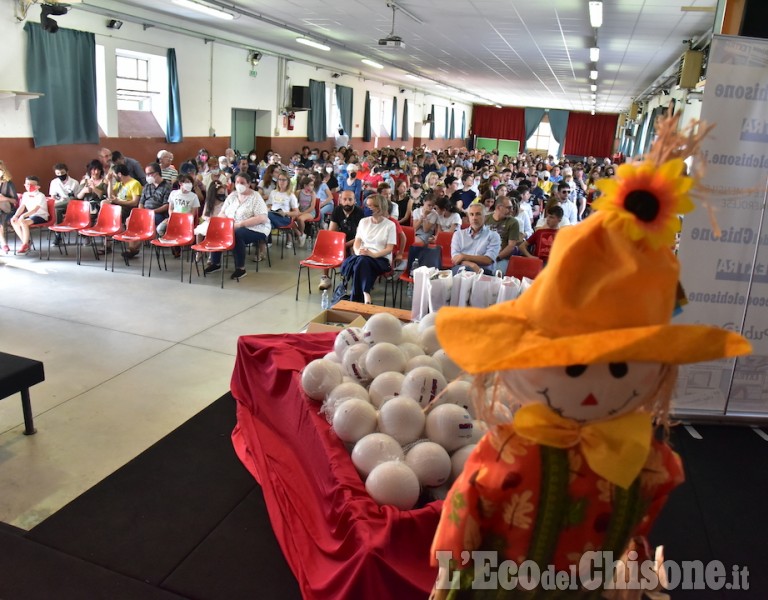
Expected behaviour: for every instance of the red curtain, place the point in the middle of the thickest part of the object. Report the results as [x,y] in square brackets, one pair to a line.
[590,135]
[506,123]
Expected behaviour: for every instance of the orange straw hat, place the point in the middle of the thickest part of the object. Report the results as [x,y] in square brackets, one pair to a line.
[607,294]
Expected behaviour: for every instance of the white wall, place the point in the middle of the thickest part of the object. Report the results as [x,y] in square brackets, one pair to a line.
[214,78]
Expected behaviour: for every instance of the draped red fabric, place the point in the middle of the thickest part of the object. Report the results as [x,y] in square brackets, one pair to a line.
[506,123]
[590,135]
[338,542]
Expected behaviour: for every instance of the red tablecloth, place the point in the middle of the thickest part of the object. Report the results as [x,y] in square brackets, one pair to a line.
[339,543]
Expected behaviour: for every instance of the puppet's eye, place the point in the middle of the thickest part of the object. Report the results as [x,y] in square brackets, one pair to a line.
[618,370]
[575,370]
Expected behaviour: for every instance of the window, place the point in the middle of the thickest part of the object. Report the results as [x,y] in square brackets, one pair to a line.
[381,118]
[333,118]
[542,142]
[132,83]
[440,122]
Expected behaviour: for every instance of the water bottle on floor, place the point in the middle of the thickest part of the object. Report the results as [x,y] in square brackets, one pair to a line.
[409,289]
[325,300]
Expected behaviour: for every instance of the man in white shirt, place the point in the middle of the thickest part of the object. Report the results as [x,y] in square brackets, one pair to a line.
[62,189]
[476,247]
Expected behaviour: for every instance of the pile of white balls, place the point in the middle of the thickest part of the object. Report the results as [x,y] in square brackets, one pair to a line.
[391,394]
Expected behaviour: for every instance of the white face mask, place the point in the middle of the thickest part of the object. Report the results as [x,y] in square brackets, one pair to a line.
[186,186]
[241,187]
[151,179]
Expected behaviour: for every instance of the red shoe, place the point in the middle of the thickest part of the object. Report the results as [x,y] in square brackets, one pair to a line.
[6,249]
[23,250]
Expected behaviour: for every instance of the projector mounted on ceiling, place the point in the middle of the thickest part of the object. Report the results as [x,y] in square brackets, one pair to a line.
[392,41]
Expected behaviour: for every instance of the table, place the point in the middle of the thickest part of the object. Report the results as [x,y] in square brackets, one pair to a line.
[366,310]
[338,542]
[18,374]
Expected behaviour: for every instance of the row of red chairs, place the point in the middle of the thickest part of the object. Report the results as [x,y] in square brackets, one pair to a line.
[140,228]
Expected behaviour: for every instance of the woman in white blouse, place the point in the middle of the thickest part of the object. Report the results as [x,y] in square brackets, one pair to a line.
[372,251]
[252,226]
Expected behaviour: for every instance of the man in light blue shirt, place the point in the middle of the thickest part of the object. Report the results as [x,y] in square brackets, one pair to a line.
[476,247]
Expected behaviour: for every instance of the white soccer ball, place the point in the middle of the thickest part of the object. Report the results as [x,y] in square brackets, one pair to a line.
[410,349]
[459,458]
[384,357]
[320,377]
[343,392]
[354,419]
[384,387]
[427,321]
[393,483]
[429,341]
[430,462]
[383,327]
[374,449]
[449,368]
[333,357]
[411,333]
[354,363]
[459,393]
[450,426]
[402,418]
[423,384]
[346,338]
[422,360]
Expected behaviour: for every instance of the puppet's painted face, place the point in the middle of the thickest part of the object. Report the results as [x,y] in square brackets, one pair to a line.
[587,392]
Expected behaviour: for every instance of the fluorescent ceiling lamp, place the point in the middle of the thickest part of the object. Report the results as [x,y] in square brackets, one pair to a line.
[594,54]
[206,10]
[313,44]
[594,97]
[372,63]
[593,75]
[412,76]
[593,87]
[596,14]
[441,86]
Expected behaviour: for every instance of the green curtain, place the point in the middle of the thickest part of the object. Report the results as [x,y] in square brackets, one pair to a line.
[405,135]
[317,129]
[463,124]
[367,118]
[394,118]
[533,117]
[432,123]
[344,101]
[452,128]
[558,121]
[62,66]
[173,131]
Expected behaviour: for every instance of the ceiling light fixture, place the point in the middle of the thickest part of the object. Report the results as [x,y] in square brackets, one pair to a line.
[313,44]
[593,87]
[206,10]
[594,54]
[412,76]
[594,97]
[372,63]
[593,75]
[596,14]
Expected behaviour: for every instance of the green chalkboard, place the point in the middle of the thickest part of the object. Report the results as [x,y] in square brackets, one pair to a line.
[488,144]
[509,147]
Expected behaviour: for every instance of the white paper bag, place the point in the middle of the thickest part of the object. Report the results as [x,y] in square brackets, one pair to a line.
[440,287]
[420,306]
[525,284]
[485,290]
[509,289]
[462,287]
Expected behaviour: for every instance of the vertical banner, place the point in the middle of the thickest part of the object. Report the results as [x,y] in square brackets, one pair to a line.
[726,278]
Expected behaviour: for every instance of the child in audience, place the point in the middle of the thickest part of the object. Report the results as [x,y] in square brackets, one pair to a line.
[424,220]
[183,200]
[32,210]
[542,239]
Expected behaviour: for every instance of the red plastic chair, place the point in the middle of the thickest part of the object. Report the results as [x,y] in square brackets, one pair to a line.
[140,228]
[443,239]
[220,238]
[410,237]
[108,223]
[179,234]
[523,266]
[328,253]
[283,233]
[51,221]
[77,217]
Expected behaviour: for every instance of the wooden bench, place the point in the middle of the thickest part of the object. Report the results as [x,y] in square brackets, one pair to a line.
[17,375]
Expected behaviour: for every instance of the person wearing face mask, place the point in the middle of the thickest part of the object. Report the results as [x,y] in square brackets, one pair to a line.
[202,161]
[351,182]
[183,200]
[154,196]
[62,189]
[8,200]
[32,210]
[249,212]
